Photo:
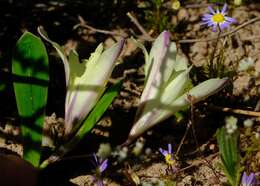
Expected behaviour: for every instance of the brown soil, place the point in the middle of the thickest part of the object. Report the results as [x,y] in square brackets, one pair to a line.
[196,167]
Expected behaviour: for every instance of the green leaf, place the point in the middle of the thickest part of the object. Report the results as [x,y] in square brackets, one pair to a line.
[31,76]
[101,106]
[95,115]
[229,152]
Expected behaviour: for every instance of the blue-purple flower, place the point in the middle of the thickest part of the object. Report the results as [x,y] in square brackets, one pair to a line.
[217,18]
[248,180]
[168,156]
[101,166]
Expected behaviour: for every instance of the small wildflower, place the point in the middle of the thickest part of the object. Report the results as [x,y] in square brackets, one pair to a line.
[104,150]
[176,4]
[218,19]
[148,151]
[101,166]
[246,64]
[122,154]
[138,148]
[231,124]
[168,156]
[248,123]
[248,180]
[237,2]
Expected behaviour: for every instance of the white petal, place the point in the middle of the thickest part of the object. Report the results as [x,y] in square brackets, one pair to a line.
[59,50]
[86,89]
[154,67]
[153,108]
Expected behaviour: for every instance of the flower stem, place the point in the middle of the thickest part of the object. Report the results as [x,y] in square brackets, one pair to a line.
[211,62]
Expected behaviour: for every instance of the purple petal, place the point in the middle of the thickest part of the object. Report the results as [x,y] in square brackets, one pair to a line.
[206,16]
[224,9]
[214,28]
[169,148]
[210,23]
[99,182]
[103,165]
[251,179]
[205,19]
[164,152]
[244,179]
[166,39]
[224,25]
[248,180]
[230,19]
[204,23]
[211,10]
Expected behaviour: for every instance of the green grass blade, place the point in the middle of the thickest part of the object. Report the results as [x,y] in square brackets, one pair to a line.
[95,115]
[31,76]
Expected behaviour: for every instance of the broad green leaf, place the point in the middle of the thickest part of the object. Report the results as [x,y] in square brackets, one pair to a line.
[95,115]
[31,76]
[229,153]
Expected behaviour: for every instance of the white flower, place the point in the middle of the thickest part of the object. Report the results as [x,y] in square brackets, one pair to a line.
[167,85]
[231,124]
[246,64]
[248,123]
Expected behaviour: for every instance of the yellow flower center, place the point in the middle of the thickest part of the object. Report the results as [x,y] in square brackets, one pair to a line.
[218,18]
[169,160]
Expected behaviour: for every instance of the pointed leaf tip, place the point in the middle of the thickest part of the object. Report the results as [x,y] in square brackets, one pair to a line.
[166,35]
[207,88]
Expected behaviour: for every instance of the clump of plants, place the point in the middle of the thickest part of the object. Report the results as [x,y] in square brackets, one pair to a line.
[87,96]
[168,89]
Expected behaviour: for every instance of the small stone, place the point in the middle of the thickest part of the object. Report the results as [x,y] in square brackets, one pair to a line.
[183,14]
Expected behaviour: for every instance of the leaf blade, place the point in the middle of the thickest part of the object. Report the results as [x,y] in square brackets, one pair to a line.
[31,76]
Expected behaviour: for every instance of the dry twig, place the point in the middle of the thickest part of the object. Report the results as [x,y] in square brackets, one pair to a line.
[146,36]
[236,111]
[96,30]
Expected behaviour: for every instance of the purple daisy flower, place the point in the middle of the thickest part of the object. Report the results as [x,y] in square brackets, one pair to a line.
[168,156]
[217,18]
[248,180]
[101,166]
